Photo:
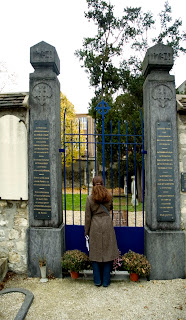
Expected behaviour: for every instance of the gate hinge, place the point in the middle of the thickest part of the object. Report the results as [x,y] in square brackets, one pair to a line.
[61,150]
[143,151]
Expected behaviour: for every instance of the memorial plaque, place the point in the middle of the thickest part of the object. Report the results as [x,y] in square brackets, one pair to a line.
[165,172]
[183,181]
[41,182]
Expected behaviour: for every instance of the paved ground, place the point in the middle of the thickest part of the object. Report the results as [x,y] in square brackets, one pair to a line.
[67,299]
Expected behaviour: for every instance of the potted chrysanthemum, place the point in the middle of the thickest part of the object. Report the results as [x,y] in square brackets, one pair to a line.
[75,261]
[136,264]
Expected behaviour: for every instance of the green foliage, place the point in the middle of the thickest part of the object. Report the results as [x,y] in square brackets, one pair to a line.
[75,260]
[170,32]
[105,56]
[113,61]
[72,134]
[99,52]
[136,263]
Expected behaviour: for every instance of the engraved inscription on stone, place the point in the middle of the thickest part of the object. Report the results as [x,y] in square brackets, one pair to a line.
[183,181]
[165,172]
[42,54]
[41,183]
[163,95]
[165,56]
[42,92]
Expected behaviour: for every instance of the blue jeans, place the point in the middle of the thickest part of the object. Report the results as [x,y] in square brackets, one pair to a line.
[101,273]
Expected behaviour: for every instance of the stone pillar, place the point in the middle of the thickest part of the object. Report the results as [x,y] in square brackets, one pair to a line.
[164,240]
[46,231]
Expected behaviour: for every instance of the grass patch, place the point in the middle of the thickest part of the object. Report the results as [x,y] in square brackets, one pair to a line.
[123,203]
[73,203]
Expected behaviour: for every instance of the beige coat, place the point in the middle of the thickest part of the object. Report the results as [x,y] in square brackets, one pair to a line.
[99,228]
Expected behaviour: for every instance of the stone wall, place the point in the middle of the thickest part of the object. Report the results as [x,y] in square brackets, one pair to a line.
[13,226]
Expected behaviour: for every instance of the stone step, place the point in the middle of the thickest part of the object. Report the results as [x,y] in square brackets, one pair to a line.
[3,268]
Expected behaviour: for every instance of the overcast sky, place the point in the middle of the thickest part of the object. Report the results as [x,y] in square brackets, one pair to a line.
[62,24]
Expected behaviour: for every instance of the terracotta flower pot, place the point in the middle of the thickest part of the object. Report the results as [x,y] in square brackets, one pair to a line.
[74,274]
[134,277]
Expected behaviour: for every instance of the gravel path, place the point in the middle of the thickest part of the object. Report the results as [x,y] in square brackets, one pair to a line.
[66,299]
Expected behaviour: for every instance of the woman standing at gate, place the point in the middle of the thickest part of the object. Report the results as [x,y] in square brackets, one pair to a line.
[99,228]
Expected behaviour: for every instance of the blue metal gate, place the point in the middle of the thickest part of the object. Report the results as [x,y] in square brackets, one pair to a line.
[97,151]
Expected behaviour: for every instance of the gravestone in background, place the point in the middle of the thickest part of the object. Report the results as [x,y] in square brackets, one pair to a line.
[164,241]
[46,231]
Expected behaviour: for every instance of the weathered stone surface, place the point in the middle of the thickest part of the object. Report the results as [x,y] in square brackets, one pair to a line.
[45,112]
[20,222]
[43,55]
[164,240]
[3,203]
[158,57]
[166,253]
[22,212]
[4,249]
[24,205]
[23,234]
[3,223]
[14,234]
[48,243]
[2,235]
[46,231]
[3,268]
[14,257]
[20,246]
[183,208]
[159,111]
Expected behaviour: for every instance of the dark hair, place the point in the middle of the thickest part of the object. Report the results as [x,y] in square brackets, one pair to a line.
[99,193]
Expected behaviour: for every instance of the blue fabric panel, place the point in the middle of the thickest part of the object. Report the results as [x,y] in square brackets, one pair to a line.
[75,238]
[127,238]
[130,238]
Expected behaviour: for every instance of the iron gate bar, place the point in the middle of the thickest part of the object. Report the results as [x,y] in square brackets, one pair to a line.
[103,111]
[111,166]
[72,149]
[135,168]
[119,173]
[80,168]
[114,139]
[127,173]
[95,146]
[87,159]
[65,200]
